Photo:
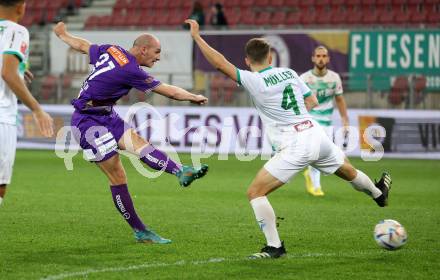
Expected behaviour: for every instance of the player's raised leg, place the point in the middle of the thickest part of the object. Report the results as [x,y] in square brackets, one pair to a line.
[115,172]
[361,182]
[159,160]
[263,184]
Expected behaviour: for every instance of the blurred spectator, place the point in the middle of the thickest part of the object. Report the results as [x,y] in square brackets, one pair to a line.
[218,16]
[197,13]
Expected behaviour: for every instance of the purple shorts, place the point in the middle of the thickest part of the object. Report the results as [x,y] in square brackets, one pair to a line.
[98,134]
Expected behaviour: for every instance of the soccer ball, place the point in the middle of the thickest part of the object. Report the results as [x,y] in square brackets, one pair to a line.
[390,234]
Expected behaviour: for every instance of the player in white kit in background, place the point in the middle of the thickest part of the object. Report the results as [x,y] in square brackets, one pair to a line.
[14,50]
[282,100]
[326,85]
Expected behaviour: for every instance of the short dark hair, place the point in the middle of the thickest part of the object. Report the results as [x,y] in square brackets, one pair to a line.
[10,3]
[257,49]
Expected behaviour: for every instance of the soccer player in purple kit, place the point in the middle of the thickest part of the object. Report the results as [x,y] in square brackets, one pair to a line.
[103,132]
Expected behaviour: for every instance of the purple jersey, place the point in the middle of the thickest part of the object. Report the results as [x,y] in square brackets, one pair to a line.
[115,72]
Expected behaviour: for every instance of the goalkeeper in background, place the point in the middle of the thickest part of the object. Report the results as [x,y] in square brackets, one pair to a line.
[326,85]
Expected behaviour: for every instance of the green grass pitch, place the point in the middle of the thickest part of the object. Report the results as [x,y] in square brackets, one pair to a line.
[59,224]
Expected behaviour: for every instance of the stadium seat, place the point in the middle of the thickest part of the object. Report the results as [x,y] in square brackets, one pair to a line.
[246,3]
[105,21]
[399,91]
[324,15]
[386,17]
[176,18]
[277,3]
[354,15]
[278,18]
[263,18]
[370,16]
[247,17]
[293,18]
[338,16]
[262,3]
[308,16]
[291,3]
[322,3]
[231,4]
[232,16]
[48,87]
[28,20]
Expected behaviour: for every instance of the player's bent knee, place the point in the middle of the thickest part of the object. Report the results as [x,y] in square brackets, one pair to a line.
[254,192]
[346,172]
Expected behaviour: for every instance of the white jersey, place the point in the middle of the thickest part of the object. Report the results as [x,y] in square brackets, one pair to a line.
[14,39]
[325,88]
[278,95]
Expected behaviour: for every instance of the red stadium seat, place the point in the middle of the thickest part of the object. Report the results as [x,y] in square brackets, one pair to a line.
[352,3]
[433,17]
[308,17]
[277,3]
[322,3]
[324,14]
[293,18]
[383,2]
[233,16]
[28,20]
[147,18]
[354,16]
[263,18]
[261,3]
[161,19]
[51,15]
[399,91]
[386,17]
[176,18]
[370,16]
[246,3]
[105,21]
[247,17]
[291,3]
[162,4]
[278,18]
[306,4]
[118,21]
[48,87]
[133,19]
[339,16]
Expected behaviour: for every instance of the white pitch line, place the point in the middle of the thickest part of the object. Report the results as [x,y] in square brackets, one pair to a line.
[209,261]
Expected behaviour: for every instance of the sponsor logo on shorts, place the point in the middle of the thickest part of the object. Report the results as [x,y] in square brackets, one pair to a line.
[303,126]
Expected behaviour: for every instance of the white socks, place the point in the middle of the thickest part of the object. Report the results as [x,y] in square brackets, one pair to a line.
[364,184]
[315,176]
[266,220]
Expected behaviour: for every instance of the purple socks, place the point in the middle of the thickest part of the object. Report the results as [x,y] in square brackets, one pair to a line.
[124,204]
[158,160]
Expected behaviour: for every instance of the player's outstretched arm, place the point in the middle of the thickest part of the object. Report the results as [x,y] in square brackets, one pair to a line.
[10,75]
[180,94]
[78,44]
[215,58]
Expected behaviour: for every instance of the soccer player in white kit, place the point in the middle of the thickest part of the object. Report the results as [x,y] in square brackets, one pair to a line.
[326,85]
[14,49]
[282,100]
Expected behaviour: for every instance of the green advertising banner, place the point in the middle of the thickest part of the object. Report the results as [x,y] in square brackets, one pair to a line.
[382,54]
